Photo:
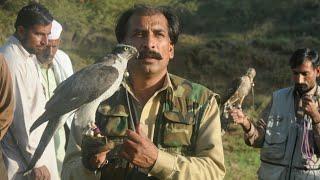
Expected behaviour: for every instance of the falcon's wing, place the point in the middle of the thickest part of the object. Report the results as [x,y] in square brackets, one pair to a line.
[232,88]
[82,87]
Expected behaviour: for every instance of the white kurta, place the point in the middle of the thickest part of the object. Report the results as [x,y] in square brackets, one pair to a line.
[62,69]
[18,145]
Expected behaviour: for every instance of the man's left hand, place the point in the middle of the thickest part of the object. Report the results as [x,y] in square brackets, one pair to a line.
[41,173]
[139,150]
[311,108]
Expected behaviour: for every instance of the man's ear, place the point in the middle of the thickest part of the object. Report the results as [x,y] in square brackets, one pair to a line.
[21,32]
[171,50]
[318,71]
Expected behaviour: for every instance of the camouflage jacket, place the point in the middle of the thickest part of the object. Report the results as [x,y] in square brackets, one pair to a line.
[181,110]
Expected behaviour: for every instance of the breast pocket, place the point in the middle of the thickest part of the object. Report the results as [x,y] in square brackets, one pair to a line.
[116,125]
[115,122]
[275,139]
[177,129]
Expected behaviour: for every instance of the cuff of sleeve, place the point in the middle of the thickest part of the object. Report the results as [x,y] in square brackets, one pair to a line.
[316,128]
[250,133]
[164,165]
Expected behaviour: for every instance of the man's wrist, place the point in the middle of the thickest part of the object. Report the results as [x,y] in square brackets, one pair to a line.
[246,126]
[314,122]
[316,119]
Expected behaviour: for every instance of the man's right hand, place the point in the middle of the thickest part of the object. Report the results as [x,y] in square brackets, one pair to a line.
[41,173]
[240,118]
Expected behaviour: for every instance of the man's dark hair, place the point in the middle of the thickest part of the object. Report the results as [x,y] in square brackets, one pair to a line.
[302,55]
[33,14]
[172,18]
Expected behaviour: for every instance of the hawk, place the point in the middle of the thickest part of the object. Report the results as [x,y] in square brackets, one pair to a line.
[84,90]
[235,94]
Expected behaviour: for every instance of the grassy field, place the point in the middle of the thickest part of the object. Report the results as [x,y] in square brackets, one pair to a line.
[242,161]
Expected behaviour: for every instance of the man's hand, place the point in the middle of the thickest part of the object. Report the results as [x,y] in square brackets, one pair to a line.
[240,118]
[41,173]
[139,150]
[311,108]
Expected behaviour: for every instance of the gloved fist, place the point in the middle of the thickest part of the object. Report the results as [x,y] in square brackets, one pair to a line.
[94,148]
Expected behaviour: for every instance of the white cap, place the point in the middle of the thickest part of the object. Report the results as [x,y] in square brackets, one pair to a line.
[56,30]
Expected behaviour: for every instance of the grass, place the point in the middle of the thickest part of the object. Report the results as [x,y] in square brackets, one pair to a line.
[242,161]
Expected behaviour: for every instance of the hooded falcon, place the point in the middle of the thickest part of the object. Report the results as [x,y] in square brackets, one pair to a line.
[236,93]
[84,90]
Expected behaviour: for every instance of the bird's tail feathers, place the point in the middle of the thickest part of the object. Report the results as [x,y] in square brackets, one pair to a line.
[43,143]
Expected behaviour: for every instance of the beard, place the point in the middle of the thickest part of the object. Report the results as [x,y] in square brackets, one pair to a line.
[31,49]
[45,60]
[302,88]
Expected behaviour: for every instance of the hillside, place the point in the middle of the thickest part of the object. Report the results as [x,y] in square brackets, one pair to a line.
[220,40]
[224,38]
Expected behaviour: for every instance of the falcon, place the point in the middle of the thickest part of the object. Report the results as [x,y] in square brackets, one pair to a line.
[236,93]
[84,90]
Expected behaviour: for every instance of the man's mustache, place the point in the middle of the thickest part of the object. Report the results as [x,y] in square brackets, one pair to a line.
[48,57]
[149,54]
[301,87]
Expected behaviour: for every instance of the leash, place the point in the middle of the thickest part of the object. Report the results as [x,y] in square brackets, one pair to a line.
[252,92]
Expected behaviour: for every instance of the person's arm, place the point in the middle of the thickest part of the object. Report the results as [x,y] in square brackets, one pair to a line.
[208,162]
[311,107]
[253,132]
[316,134]
[6,101]
[24,142]
[255,136]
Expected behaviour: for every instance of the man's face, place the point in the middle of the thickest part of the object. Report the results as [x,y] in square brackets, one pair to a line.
[150,35]
[35,38]
[304,76]
[46,55]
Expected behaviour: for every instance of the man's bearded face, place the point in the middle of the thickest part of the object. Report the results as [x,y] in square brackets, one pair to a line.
[304,76]
[47,54]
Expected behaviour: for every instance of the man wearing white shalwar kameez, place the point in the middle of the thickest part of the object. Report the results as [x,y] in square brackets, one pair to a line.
[18,145]
[54,67]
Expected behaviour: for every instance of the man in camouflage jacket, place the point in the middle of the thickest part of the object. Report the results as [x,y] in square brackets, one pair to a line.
[177,123]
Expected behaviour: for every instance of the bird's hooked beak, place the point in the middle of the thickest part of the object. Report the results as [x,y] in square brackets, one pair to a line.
[133,51]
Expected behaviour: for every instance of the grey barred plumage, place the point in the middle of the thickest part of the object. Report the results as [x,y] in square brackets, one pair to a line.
[84,90]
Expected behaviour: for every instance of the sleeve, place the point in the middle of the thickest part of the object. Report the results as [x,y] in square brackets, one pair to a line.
[316,134]
[255,136]
[208,163]
[6,101]
[22,143]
